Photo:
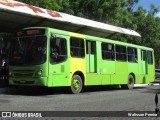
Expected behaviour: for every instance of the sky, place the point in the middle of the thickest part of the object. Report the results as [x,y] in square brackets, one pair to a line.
[146,4]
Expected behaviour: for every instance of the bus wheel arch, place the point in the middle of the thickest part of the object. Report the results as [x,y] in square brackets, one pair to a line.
[131,81]
[77,82]
[133,77]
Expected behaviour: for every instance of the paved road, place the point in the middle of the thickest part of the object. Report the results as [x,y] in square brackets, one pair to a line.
[142,98]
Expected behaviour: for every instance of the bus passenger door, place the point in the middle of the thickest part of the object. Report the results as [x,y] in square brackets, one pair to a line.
[143,62]
[92,77]
[58,61]
[91,56]
[143,66]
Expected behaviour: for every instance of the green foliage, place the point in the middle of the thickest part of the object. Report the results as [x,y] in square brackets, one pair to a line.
[116,12]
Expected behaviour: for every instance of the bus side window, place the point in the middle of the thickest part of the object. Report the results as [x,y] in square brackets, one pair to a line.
[77,47]
[150,57]
[107,51]
[58,50]
[121,53]
[132,54]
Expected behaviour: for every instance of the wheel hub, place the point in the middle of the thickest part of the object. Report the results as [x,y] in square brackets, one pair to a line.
[76,84]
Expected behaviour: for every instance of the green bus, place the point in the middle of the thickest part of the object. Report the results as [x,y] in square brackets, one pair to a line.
[42,56]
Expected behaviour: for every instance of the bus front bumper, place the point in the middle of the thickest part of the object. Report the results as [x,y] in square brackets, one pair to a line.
[35,81]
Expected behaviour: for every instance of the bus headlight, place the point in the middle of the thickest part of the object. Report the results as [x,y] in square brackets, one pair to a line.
[39,73]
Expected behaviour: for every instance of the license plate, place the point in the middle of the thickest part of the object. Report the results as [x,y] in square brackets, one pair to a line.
[22,81]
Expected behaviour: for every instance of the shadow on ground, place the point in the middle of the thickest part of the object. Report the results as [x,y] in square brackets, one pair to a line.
[149,89]
[42,91]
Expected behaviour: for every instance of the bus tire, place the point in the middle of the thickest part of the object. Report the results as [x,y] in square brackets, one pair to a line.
[76,84]
[130,84]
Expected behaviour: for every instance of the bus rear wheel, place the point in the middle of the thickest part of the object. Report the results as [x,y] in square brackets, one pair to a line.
[130,84]
[76,84]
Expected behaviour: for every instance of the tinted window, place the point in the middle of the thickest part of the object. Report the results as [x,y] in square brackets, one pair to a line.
[92,47]
[58,50]
[150,58]
[132,54]
[107,51]
[28,50]
[120,53]
[77,47]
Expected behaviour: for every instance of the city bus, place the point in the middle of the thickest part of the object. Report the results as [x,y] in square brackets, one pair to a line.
[42,56]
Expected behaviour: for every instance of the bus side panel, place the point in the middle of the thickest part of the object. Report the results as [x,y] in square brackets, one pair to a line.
[151,75]
[58,74]
[77,64]
[93,79]
[107,70]
[121,76]
[133,69]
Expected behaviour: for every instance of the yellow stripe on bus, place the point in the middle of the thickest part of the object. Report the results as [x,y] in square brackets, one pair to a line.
[76,35]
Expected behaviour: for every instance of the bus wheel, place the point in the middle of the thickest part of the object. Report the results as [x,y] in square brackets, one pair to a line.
[130,84]
[76,84]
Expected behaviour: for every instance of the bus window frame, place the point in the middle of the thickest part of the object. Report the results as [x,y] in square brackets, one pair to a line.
[121,53]
[52,38]
[112,51]
[150,57]
[135,60]
[75,47]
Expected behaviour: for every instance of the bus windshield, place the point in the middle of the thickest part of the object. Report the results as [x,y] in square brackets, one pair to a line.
[29,50]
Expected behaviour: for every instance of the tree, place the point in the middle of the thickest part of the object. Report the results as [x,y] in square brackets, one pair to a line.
[116,12]
[149,27]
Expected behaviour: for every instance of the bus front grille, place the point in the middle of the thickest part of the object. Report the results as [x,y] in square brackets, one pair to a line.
[23,74]
[26,82]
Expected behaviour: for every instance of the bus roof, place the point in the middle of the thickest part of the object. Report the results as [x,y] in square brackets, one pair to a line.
[89,37]
[94,38]
[17,15]
[116,42]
